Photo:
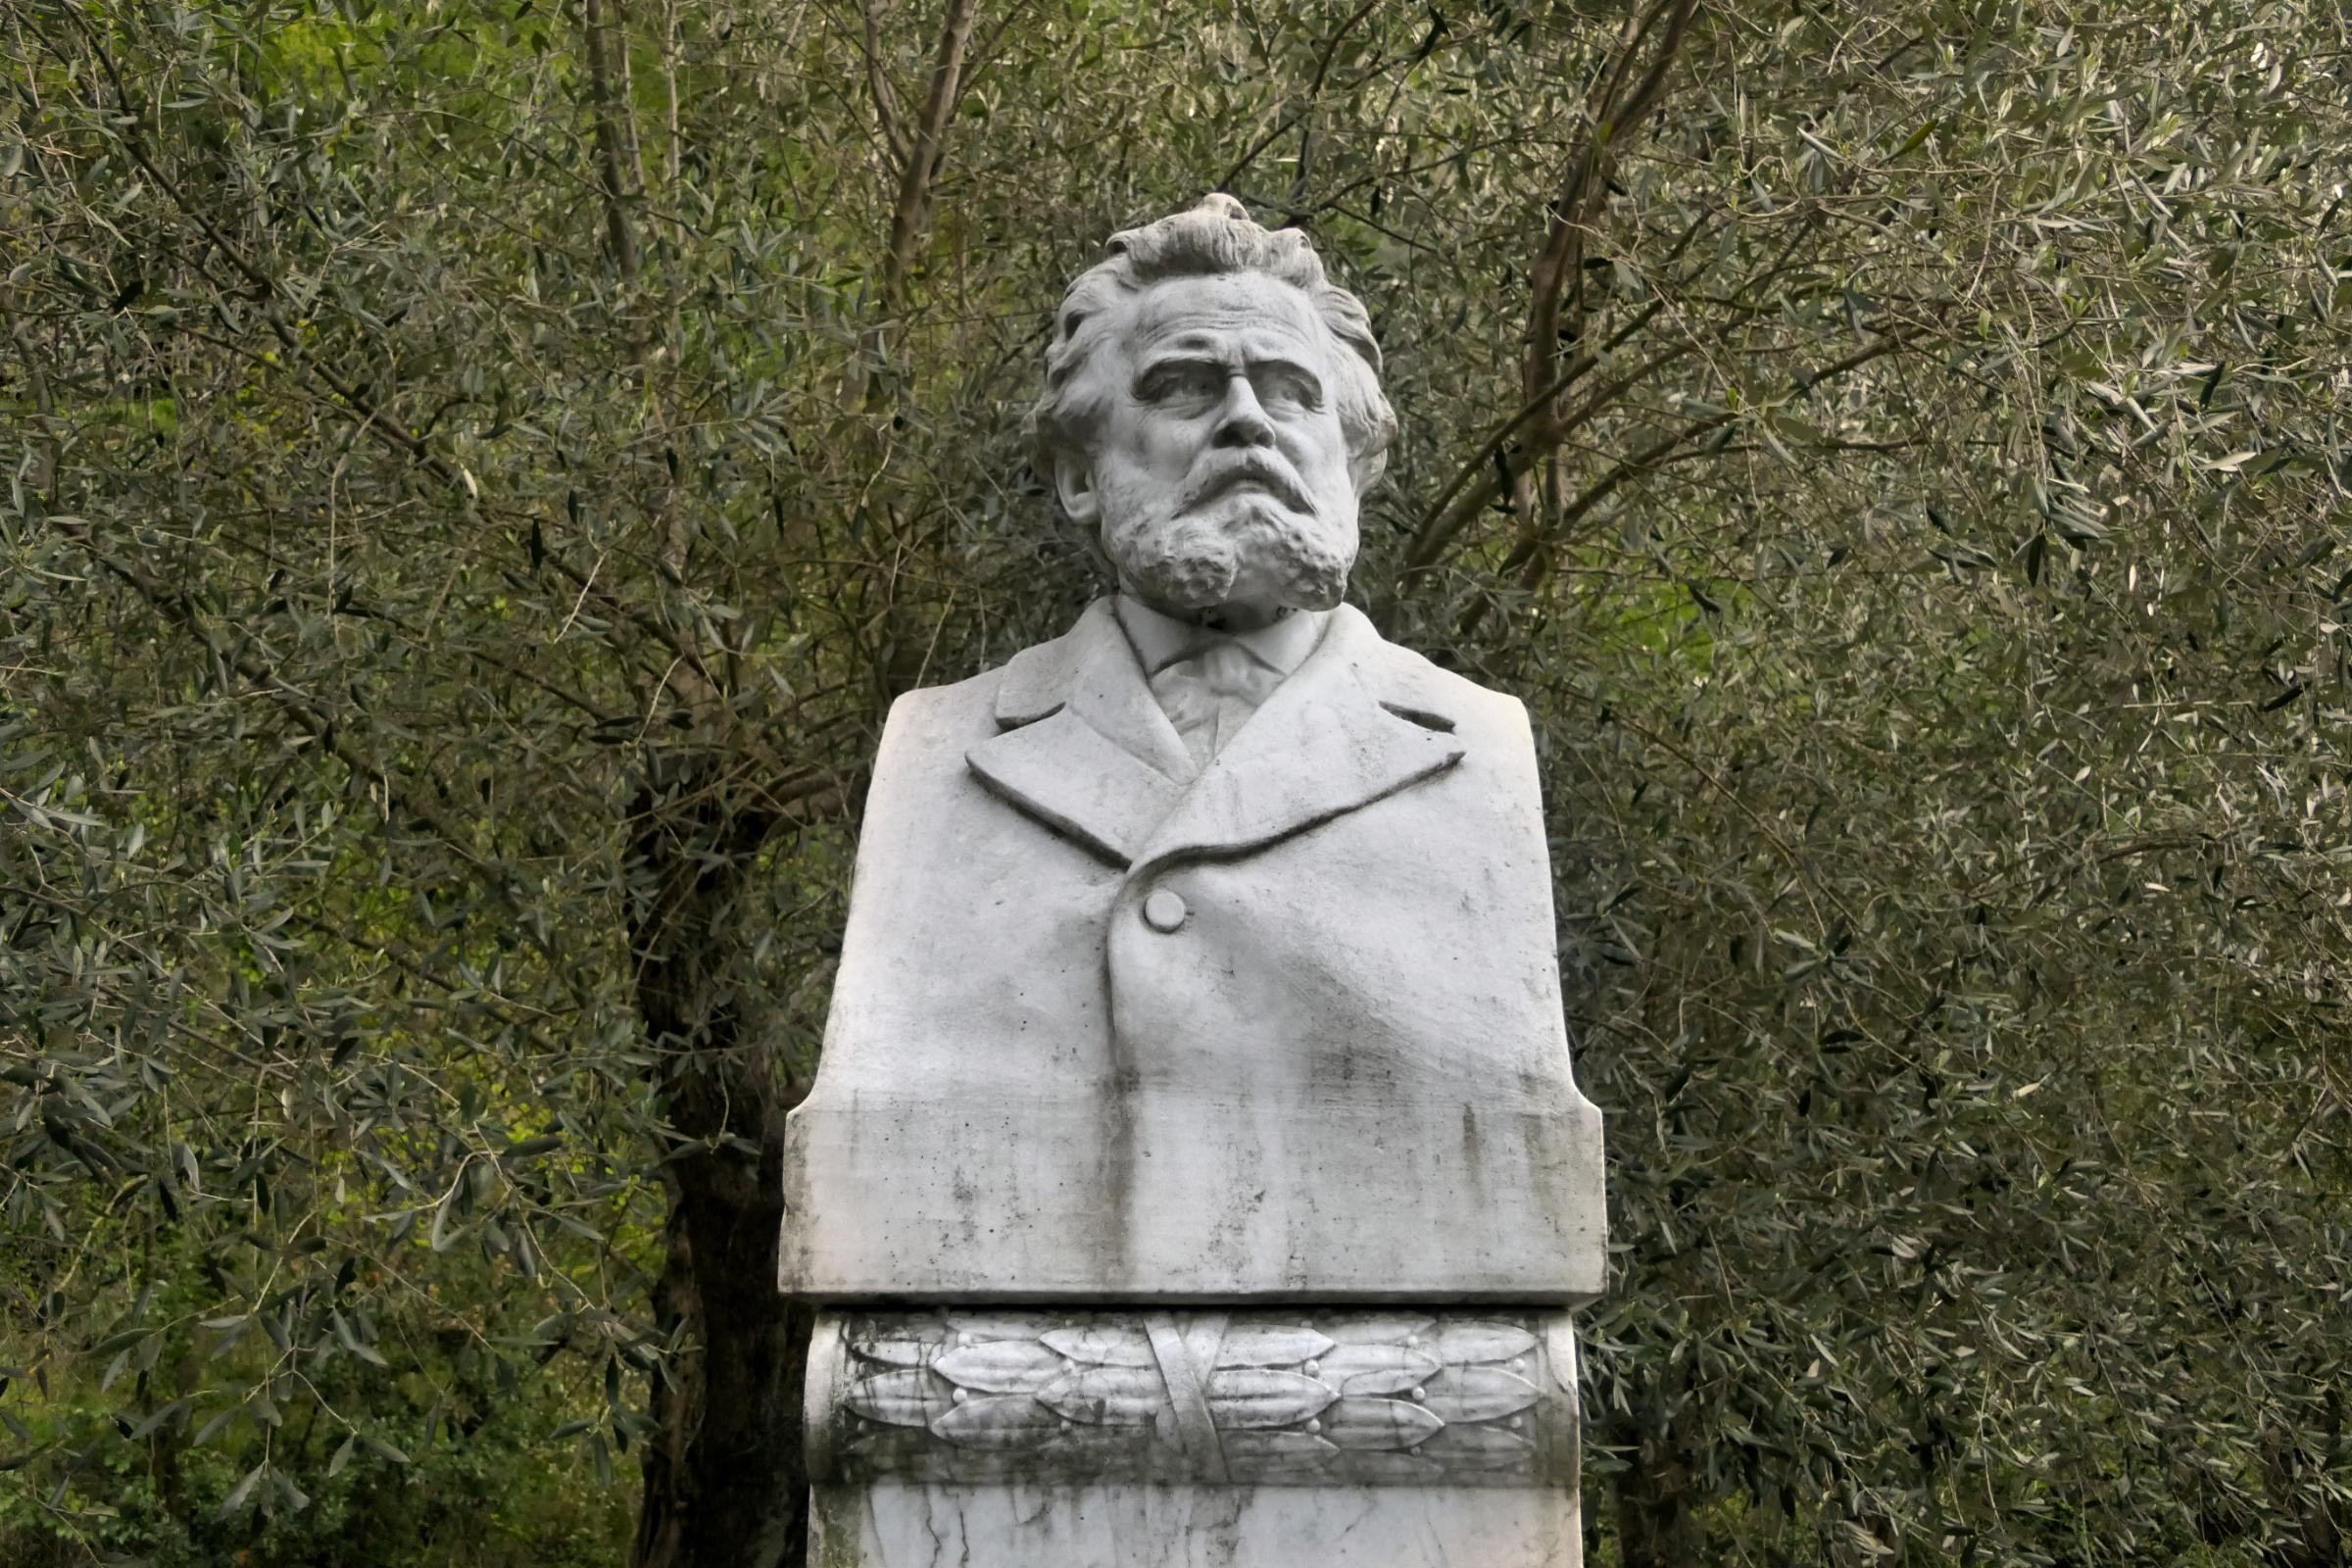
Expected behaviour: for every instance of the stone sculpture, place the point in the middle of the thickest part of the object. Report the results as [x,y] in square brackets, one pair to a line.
[1201,957]
[1266,1399]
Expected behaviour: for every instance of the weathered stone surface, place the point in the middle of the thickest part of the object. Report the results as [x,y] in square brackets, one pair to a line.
[1342,1077]
[1205,953]
[897,1524]
[1255,1400]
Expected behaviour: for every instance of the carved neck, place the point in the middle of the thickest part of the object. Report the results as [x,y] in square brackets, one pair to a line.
[1239,616]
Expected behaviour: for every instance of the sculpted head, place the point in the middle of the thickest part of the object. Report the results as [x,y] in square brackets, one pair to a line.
[1212,408]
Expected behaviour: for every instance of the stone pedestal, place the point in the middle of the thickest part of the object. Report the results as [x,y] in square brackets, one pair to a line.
[912,1525]
[1141,1439]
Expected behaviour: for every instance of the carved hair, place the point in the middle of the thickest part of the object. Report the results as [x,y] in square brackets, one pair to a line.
[1215,237]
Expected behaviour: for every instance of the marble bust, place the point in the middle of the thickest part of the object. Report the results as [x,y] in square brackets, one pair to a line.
[1205,954]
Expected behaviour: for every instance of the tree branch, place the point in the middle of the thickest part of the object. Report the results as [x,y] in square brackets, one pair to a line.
[1536,552]
[611,150]
[176,605]
[886,113]
[1610,113]
[349,399]
[1315,88]
[1454,509]
[920,166]
[44,467]
[1482,478]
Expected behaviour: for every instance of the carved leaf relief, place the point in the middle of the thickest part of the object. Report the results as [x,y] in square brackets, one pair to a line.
[1002,1366]
[997,1421]
[978,1328]
[1480,1393]
[1368,1397]
[1480,1447]
[909,1397]
[1106,1396]
[1379,1424]
[1364,1369]
[1254,1396]
[1269,1345]
[1104,1346]
[1458,1342]
[1379,1328]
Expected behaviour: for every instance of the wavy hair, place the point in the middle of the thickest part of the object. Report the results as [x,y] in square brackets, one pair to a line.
[1215,237]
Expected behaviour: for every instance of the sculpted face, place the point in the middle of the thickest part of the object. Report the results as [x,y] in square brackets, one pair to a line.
[1218,471]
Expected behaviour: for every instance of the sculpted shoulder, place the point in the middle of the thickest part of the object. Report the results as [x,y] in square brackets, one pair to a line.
[1418,688]
[923,745]
[960,709]
[1028,686]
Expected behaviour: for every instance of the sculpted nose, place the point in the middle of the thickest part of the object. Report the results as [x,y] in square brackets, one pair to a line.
[1242,421]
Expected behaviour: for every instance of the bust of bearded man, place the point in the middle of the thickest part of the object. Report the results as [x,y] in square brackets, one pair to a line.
[1205,953]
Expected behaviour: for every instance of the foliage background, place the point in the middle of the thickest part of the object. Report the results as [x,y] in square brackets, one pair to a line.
[478,469]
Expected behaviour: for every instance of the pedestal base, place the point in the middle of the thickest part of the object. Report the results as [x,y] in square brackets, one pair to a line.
[1306,1437]
[1134,1525]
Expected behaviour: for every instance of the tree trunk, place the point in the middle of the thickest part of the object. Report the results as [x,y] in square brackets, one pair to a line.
[615,145]
[725,1483]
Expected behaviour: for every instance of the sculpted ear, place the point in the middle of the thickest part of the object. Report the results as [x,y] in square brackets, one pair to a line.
[1074,485]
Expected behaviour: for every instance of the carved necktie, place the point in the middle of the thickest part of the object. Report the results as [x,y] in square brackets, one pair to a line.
[1211,692]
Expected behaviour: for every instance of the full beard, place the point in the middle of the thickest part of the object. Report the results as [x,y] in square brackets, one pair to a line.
[1243,546]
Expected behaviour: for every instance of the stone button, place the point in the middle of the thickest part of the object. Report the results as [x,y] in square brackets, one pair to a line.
[1163,911]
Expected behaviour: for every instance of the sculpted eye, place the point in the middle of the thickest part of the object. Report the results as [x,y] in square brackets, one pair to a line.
[1288,385]
[1182,381]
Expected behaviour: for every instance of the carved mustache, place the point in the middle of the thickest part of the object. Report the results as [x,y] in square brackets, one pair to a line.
[1257,470]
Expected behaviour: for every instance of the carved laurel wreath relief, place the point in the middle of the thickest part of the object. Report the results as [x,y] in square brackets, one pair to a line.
[1264,1398]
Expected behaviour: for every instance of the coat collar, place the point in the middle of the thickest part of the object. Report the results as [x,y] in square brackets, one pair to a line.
[1159,638]
[1087,750]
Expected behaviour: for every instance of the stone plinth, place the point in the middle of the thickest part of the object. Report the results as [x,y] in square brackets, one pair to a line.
[1193,1439]
[934,1525]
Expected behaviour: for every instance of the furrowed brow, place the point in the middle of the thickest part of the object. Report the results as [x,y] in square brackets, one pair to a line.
[1180,352]
[1284,362]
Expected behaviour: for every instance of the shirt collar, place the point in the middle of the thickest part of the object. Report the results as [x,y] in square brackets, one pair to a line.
[1160,639]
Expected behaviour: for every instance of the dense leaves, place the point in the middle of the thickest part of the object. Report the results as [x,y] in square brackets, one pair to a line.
[479,472]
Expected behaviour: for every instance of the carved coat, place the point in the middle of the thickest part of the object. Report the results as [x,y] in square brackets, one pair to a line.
[1105,1030]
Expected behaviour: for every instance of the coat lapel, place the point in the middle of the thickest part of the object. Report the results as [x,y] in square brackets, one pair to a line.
[1324,743]
[1087,751]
